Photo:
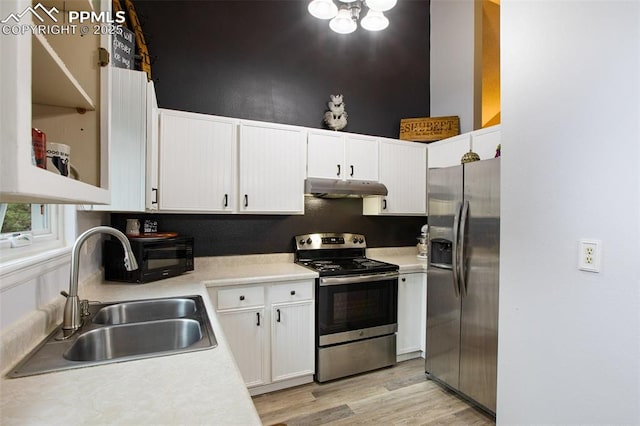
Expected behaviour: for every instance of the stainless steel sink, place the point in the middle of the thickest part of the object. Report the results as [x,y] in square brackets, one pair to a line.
[145,310]
[118,341]
[124,331]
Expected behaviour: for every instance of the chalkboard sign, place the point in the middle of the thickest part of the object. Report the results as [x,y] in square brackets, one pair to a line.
[124,48]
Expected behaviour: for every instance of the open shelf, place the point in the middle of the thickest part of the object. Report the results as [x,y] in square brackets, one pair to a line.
[52,82]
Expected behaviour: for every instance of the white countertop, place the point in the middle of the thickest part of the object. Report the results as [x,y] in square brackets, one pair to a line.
[405,257]
[203,387]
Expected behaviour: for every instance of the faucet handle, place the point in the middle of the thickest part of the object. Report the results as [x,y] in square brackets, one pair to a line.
[84,308]
[64,293]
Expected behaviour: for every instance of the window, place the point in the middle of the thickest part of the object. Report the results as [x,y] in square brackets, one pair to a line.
[28,229]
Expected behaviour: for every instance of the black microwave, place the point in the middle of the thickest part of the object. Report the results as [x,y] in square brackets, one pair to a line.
[157,259]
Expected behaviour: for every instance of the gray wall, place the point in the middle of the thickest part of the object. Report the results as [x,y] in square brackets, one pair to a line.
[569,351]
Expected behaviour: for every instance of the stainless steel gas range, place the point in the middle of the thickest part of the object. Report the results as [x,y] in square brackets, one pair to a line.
[356,304]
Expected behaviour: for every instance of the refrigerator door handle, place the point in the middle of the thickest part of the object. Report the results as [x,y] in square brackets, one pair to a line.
[454,260]
[441,266]
[462,234]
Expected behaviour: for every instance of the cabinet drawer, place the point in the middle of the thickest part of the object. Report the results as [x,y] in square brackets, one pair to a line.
[292,292]
[240,297]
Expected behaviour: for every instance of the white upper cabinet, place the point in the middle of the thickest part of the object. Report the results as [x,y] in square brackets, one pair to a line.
[325,154]
[484,142]
[127,180]
[197,162]
[449,152]
[153,146]
[403,170]
[334,155]
[271,168]
[54,83]
[361,157]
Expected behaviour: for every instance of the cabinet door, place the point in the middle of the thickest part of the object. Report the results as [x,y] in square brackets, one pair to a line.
[272,168]
[403,169]
[153,112]
[244,331]
[361,157]
[128,141]
[325,155]
[197,162]
[292,340]
[484,142]
[449,152]
[411,313]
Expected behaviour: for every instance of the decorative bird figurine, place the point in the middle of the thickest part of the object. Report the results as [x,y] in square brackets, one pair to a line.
[336,117]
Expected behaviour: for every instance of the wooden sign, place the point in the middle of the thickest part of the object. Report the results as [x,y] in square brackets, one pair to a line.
[429,129]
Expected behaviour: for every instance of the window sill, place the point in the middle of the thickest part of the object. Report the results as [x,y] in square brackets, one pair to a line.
[15,272]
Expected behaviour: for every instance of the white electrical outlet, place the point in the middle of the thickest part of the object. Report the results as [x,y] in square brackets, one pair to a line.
[589,253]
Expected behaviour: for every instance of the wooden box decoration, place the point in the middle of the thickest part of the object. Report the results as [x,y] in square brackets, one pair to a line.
[429,129]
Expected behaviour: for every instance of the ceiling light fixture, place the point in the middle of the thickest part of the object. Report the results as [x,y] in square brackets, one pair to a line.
[344,14]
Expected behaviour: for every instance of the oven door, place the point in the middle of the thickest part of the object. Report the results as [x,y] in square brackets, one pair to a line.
[356,307]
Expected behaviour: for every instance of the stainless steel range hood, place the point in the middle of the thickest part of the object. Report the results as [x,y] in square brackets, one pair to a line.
[335,188]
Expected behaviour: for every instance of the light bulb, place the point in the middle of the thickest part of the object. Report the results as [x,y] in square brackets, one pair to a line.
[381,5]
[323,9]
[343,23]
[374,21]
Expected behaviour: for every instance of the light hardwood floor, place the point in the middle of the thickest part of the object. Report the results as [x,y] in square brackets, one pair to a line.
[391,396]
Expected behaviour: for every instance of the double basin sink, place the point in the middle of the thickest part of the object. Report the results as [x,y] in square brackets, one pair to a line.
[124,331]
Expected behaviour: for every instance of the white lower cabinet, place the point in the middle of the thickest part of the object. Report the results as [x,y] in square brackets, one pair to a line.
[291,329]
[244,329]
[412,303]
[270,330]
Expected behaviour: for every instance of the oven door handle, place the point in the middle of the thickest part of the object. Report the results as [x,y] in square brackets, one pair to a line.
[354,279]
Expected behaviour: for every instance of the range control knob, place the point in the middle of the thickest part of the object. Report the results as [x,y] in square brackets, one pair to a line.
[355,240]
[361,240]
[309,241]
[301,242]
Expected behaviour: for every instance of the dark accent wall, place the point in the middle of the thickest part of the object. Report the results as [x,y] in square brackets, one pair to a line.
[272,61]
[220,235]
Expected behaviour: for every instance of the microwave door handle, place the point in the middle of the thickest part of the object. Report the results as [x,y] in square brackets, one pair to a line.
[455,259]
[462,234]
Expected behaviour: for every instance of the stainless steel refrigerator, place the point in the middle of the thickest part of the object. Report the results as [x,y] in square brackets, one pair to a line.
[462,279]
